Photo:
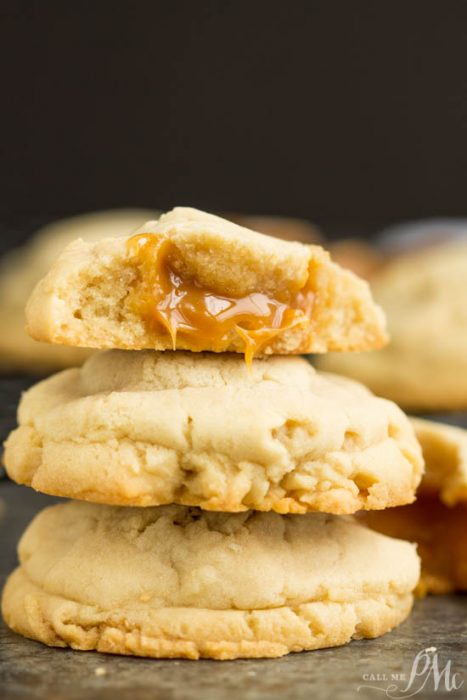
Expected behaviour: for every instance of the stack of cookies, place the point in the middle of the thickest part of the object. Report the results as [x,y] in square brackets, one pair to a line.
[214,471]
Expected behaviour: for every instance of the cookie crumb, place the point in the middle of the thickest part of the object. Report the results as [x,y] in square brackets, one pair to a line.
[100,671]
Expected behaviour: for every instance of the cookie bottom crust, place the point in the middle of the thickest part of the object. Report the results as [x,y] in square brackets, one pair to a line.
[194,633]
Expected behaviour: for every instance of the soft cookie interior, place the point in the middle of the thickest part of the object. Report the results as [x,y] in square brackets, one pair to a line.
[197,282]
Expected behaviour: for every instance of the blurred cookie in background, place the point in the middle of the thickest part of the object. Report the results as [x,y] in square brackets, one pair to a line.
[366,259]
[22,267]
[424,295]
[288,228]
[357,255]
[437,521]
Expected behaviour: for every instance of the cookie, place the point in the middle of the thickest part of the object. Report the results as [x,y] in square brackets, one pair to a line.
[150,428]
[438,519]
[445,453]
[425,365]
[180,582]
[197,282]
[441,535]
[23,267]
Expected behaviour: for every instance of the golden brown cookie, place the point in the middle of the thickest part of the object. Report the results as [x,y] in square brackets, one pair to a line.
[445,453]
[149,428]
[441,535]
[437,522]
[197,282]
[180,582]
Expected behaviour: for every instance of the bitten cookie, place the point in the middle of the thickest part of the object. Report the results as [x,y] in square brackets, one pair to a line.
[424,367]
[149,428]
[23,267]
[438,519]
[180,582]
[197,282]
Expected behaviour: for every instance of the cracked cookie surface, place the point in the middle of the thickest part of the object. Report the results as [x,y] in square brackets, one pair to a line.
[177,581]
[149,428]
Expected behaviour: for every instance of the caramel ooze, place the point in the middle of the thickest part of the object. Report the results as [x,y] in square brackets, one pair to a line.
[183,308]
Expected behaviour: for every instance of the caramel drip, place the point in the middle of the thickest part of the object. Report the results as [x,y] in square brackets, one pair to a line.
[164,300]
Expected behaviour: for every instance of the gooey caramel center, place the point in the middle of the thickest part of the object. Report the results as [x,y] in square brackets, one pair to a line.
[183,308]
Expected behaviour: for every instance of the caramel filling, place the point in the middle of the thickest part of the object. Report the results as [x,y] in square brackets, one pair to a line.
[181,307]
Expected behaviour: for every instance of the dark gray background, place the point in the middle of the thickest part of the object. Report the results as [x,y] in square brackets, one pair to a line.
[351,113]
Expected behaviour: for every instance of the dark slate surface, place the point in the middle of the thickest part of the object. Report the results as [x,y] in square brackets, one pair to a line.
[31,670]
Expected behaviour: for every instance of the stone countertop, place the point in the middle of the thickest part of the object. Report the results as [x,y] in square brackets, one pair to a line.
[29,670]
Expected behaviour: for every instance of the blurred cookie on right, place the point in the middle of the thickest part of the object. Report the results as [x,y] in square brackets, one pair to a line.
[422,287]
[437,521]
